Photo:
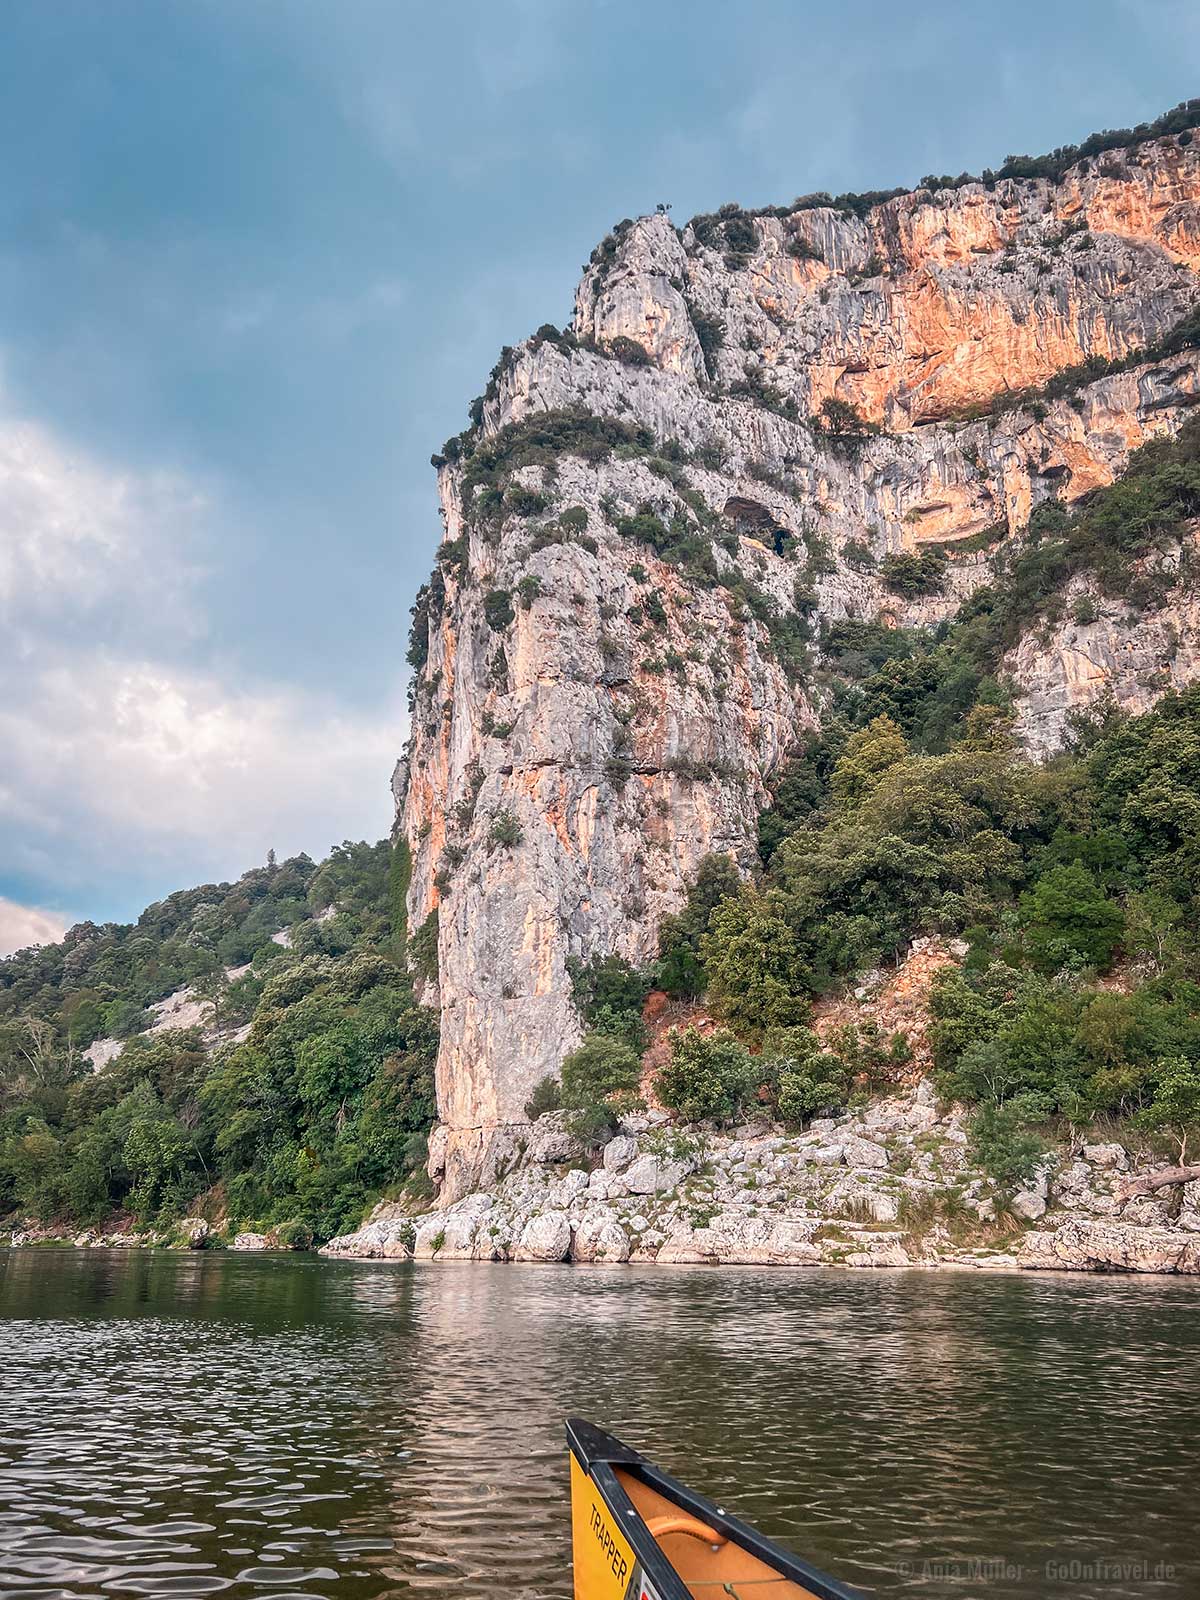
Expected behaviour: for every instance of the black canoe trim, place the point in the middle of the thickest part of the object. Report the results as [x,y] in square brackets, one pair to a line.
[599,1453]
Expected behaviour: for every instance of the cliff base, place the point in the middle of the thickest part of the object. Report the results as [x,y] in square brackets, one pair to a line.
[890,1185]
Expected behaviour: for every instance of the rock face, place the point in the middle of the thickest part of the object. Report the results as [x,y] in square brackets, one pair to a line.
[1133,656]
[1108,1247]
[602,693]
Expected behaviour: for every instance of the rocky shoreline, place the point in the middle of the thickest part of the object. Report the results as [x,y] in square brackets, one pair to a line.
[192,1233]
[891,1185]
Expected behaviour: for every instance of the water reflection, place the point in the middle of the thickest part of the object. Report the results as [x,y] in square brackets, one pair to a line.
[178,1425]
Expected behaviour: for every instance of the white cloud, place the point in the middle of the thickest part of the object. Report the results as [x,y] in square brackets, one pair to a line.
[77,537]
[119,754]
[21,926]
[145,754]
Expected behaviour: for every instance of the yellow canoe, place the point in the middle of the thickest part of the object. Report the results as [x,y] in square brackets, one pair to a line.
[638,1534]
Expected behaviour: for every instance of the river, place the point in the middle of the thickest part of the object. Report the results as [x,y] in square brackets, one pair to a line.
[187,1424]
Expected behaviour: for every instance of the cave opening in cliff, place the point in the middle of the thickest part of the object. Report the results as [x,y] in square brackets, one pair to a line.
[750,519]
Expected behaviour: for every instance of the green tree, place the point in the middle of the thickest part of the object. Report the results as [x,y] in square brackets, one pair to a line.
[1175,1106]
[1067,917]
[870,753]
[610,995]
[599,1070]
[32,1164]
[708,1076]
[757,975]
[213,988]
[160,1157]
[1154,928]
[680,971]
[843,420]
[807,1077]
[1004,1142]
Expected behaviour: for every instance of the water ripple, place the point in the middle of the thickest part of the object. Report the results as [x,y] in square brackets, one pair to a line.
[178,1426]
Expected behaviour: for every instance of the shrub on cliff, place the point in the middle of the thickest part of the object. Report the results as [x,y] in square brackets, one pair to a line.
[506,831]
[710,333]
[524,502]
[708,1076]
[857,553]
[842,417]
[679,542]
[927,682]
[680,971]
[803,249]
[844,425]
[913,575]
[423,950]
[602,1073]
[498,609]
[629,351]
[425,609]
[610,994]
[546,1097]
[539,441]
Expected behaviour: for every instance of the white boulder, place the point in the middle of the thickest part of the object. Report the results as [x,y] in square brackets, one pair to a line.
[1028,1204]
[652,1175]
[545,1238]
[619,1152]
[864,1153]
[599,1236]
[1106,1155]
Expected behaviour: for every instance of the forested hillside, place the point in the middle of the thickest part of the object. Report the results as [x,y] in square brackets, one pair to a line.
[305,1089]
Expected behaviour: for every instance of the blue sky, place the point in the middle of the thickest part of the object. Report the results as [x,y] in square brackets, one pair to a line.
[257,256]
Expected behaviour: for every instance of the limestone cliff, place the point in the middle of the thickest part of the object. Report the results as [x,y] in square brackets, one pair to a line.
[650,522]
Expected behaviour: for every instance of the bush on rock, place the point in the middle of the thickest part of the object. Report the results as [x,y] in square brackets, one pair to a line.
[601,1069]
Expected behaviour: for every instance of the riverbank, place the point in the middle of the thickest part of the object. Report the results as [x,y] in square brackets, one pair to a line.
[192,1233]
[891,1185]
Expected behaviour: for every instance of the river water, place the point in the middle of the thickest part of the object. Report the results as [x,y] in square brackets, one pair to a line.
[189,1424]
